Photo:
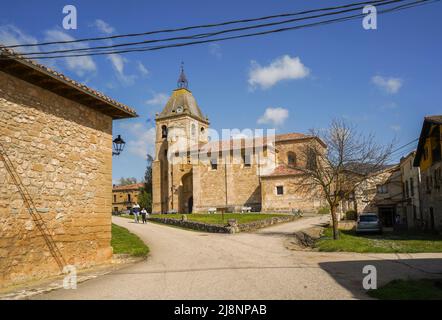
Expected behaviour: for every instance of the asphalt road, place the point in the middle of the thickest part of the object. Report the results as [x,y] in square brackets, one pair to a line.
[194,265]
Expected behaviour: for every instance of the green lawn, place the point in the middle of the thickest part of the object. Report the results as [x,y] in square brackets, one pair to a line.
[217,218]
[425,289]
[385,243]
[126,242]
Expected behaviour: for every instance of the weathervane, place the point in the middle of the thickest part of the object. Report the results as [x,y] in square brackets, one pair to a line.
[182,80]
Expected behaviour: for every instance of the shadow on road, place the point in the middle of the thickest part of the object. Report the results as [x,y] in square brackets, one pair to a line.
[349,274]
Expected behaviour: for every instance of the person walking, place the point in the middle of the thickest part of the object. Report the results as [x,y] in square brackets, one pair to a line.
[143,215]
[136,211]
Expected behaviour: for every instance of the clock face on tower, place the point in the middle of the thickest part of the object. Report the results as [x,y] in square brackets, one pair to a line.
[179,109]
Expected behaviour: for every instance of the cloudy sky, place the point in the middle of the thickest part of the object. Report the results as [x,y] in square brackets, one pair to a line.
[384,81]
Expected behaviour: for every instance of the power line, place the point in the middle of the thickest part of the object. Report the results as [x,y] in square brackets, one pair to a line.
[208,35]
[196,26]
[405,145]
[142,49]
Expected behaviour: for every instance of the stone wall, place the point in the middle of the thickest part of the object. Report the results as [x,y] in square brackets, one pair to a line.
[233,186]
[298,194]
[205,227]
[63,153]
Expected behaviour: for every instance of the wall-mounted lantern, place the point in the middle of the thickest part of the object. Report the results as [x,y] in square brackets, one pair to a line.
[118,146]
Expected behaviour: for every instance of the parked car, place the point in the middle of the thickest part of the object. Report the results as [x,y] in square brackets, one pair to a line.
[369,222]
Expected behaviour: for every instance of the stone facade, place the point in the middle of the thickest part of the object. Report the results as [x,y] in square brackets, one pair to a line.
[381,193]
[62,153]
[191,174]
[124,197]
[429,160]
[411,183]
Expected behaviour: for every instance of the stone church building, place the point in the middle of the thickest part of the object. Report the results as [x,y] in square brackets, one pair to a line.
[192,173]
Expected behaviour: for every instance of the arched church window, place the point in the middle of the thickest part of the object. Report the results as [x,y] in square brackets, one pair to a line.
[291,159]
[164,132]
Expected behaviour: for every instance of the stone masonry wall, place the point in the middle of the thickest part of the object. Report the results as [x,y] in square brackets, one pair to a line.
[63,153]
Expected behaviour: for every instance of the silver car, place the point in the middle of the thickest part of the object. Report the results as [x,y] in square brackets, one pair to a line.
[369,222]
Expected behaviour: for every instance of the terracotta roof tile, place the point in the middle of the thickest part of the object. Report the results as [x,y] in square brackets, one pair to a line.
[12,55]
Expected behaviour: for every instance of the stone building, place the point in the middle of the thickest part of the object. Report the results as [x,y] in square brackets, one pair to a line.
[381,193]
[55,159]
[411,190]
[429,160]
[124,197]
[193,174]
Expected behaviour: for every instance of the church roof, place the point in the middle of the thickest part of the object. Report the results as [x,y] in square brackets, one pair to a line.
[182,98]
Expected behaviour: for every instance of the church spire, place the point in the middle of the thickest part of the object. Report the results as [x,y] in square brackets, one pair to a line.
[182,80]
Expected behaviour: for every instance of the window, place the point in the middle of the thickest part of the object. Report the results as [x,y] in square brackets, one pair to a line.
[311,160]
[164,132]
[407,192]
[279,190]
[412,187]
[128,198]
[247,159]
[291,159]
[214,164]
[193,130]
[382,189]
[115,198]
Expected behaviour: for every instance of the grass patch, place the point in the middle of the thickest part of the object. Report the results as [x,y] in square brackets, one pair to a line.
[424,289]
[125,242]
[393,242]
[217,218]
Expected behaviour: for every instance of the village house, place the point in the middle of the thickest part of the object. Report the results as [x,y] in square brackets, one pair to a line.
[55,171]
[429,160]
[193,174]
[124,197]
[411,184]
[381,193]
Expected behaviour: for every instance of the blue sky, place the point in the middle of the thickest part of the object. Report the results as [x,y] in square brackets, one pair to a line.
[384,81]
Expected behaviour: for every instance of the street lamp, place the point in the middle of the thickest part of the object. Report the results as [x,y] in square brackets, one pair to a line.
[118,146]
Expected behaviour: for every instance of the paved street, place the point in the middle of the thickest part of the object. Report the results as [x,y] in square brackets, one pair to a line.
[195,265]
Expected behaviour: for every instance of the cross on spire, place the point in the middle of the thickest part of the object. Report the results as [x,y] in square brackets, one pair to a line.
[182,80]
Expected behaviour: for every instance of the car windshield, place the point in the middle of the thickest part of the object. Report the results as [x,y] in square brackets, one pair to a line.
[368,218]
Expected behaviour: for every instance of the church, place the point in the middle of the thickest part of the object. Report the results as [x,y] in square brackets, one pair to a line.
[192,173]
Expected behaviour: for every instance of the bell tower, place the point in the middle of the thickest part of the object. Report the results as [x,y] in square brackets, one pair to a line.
[180,126]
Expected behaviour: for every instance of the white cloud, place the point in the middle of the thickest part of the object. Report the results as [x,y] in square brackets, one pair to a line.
[275,116]
[389,85]
[118,63]
[395,127]
[11,35]
[103,27]
[282,68]
[158,99]
[215,50]
[142,140]
[142,69]
[78,65]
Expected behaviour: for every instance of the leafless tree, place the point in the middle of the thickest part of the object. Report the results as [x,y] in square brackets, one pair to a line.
[338,160]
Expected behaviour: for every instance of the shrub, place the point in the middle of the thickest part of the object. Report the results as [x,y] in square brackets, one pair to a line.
[350,215]
[324,210]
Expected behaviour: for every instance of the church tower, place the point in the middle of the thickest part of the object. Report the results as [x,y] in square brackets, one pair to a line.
[180,123]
